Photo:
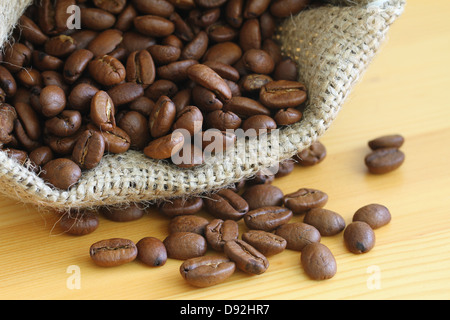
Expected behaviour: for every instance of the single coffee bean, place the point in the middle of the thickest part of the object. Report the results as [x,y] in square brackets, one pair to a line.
[374,214]
[247,258]
[252,83]
[286,69]
[75,64]
[258,61]
[125,93]
[218,232]
[359,237]
[113,252]
[16,56]
[40,156]
[305,199]
[60,46]
[8,116]
[102,111]
[62,173]
[96,19]
[29,120]
[181,206]
[164,54]
[154,26]
[381,161]
[329,223]
[222,120]
[264,176]
[285,117]
[283,94]
[298,235]
[136,127]
[7,82]
[185,245]
[224,70]
[207,271]
[123,214]
[31,31]
[17,155]
[245,107]
[116,140]
[250,35]
[64,124]
[52,100]
[105,42]
[286,8]
[260,124]
[318,261]
[265,242]
[389,141]
[188,223]
[81,95]
[166,146]
[141,68]
[208,78]
[162,117]
[263,195]
[267,218]
[226,204]
[190,119]
[113,6]
[312,155]
[79,223]
[151,251]
[107,70]
[285,168]
[89,149]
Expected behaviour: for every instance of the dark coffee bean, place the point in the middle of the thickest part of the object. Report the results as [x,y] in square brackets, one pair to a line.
[381,161]
[151,251]
[218,232]
[223,120]
[234,13]
[285,117]
[181,206]
[7,82]
[318,261]
[247,258]
[79,222]
[166,146]
[141,68]
[154,26]
[263,195]
[89,149]
[286,69]
[125,93]
[329,223]
[96,19]
[250,35]
[305,199]
[29,120]
[175,71]
[220,32]
[258,61]
[52,100]
[60,46]
[31,31]
[226,52]
[188,223]
[190,119]
[162,117]
[75,64]
[285,8]
[252,83]
[224,70]
[196,48]
[258,124]
[64,124]
[282,94]
[298,235]
[29,78]
[164,54]
[123,214]
[285,168]
[245,107]
[267,218]
[40,156]
[208,78]
[62,173]
[226,204]
[113,6]
[44,61]
[207,271]
[161,87]
[16,56]
[265,242]
[359,237]
[107,70]
[113,252]
[255,8]
[116,139]
[312,155]
[185,245]
[374,214]
[136,127]
[205,99]
[80,96]
[389,141]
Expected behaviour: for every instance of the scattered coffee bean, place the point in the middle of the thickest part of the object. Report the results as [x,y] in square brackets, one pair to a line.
[329,223]
[207,271]
[374,214]
[389,141]
[79,223]
[263,195]
[312,155]
[113,252]
[188,223]
[384,160]
[123,214]
[359,237]
[181,206]
[267,218]
[265,242]
[151,251]
[185,245]
[226,204]
[318,261]
[218,232]
[305,199]
[247,258]
[298,235]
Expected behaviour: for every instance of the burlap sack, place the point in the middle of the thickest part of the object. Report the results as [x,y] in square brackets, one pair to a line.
[333,45]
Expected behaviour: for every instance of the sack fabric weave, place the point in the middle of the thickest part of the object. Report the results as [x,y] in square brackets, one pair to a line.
[332,44]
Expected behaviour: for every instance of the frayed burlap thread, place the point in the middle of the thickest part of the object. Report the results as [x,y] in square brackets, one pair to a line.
[333,46]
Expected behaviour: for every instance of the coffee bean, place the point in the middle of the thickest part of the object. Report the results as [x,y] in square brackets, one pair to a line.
[79,223]
[61,173]
[318,261]
[96,19]
[384,160]
[298,235]
[113,252]
[263,195]
[7,82]
[185,245]
[89,149]
[282,94]
[207,271]
[136,127]
[40,156]
[267,218]
[374,214]
[141,68]
[285,8]
[388,141]
[226,204]
[312,155]
[123,214]
[125,93]
[245,107]
[247,258]
[154,26]
[75,64]
[305,199]
[188,223]
[8,115]
[162,117]
[189,118]
[151,251]
[208,78]
[265,242]
[166,146]
[107,70]
[52,100]
[218,232]
[181,206]
[285,168]
[258,61]
[16,56]
[329,223]
[288,116]
[102,111]
[64,124]
[359,237]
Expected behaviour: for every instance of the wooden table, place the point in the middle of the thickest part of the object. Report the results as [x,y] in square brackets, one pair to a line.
[404,91]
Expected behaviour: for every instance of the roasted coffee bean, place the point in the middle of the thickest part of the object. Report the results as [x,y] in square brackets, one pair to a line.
[285,8]
[125,18]
[165,146]
[45,62]
[263,176]
[105,42]
[17,155]
[252,83]
[116,139]
[223,120]
[207,271]
[208,78]
[188,223]
[312,155]
[96,19]
[258,124]
[263,195]
[329,223]
[224,70]
[113,252]
[267,218]
[196,48]
[16,56]
[60,46]
[359,237]
[181,206]
[384,160]
[113,6]
[374,214]
[143,105]
[389,141]
[136,127]
[247,258]
[220,32]
[305,199]
[190,119]
[123,214]
[125,93]
[62,173]
[185,245]
[286,69]
[285,117]
[205,99]
[75,64]
[161,87]
[283,94]
[226,52]
[250,35]
[141,68]
[258,61]
[89,149]
[285,168]
[29,78]
[219,231]
[64,124]
[79,223]
[53,15]
[31,31]
[245,107]
[234,13]
[40,156]
[7,82]
[318,261]
[107,70]
[226,204]
[255,8]
[151,251]
[102,111]
[52,100]
[265,242]
[298,235]
[154,26]
[164,54]
[23,138]
[62,145]
[162,117]
[29,120]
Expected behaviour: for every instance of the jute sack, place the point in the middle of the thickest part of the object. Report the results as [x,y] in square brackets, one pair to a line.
[333,45]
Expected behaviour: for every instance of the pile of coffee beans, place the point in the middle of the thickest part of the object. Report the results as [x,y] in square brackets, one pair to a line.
[386,155]
[82,78]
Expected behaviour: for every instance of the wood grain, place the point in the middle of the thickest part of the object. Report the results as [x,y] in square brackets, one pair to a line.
[404,91]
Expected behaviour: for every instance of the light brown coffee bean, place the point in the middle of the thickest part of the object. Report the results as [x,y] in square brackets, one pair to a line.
[359,237]
[305,199]
[318,261]
[107,70]
[162,117]
[89,149]
[207,271]
[374,214]
[219,231]
[329,223]
[298,235]
[140,68]
[265,242]
[185,245]
[75,64]
[247,258]
[188,223]
[384,160]
[263,195]
[267,218]
[283,94]
[151,251]
[52,100]
[208,78]
[166,146]
[102,111]
[113,252]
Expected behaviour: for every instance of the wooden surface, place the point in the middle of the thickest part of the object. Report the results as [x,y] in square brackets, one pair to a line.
[404,91]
